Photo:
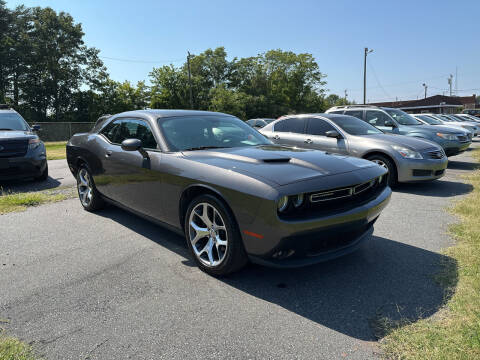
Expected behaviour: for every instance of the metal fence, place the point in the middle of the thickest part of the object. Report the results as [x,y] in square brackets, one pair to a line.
[61,131]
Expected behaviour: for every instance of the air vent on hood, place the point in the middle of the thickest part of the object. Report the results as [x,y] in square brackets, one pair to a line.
[277,160]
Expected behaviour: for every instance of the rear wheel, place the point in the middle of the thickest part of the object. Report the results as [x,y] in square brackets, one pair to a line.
[90,198]
[212,236]
[388,164]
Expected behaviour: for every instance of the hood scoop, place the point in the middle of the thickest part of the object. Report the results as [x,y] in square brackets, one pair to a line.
[277,160]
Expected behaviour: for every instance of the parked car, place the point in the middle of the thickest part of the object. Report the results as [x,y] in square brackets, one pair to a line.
[396,121]
[451,120]
[473,112]
[259,123]
[431,120]
[470,118]
[407,159]
[22,153]
[232,192]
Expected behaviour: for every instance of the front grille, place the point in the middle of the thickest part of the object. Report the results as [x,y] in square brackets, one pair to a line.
[421,172]
[337,200]
[13,148]
[435,154]
[463,138]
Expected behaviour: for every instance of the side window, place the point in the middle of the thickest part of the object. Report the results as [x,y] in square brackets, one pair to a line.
[318,127]
[376,118]
[356,113]
[122,129]
[109,130]
[294,125]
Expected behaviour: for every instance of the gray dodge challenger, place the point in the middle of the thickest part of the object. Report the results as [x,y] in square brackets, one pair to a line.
[232,193]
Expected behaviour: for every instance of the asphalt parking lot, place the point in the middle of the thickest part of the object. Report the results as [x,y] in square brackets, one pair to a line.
[113,286]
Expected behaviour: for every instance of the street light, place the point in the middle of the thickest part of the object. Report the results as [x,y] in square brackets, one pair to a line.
[367,51]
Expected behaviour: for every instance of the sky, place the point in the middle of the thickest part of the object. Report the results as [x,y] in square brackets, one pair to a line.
[413,42]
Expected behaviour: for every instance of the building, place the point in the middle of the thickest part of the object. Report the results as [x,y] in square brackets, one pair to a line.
[438,104]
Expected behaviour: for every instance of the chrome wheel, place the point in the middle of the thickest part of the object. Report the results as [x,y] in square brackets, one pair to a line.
[381,163]
[84,186]
[207,234]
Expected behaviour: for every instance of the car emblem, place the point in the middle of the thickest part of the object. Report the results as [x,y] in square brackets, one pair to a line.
[1,148]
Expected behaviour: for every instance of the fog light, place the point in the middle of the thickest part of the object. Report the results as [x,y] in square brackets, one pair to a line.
[282,203]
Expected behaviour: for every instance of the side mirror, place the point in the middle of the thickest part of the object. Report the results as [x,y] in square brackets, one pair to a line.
[333,134]
[131,145]
[36,128]
[389,123]
[135,145]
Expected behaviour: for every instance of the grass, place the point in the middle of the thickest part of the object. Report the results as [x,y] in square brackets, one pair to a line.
[13,349]
[454,332]
[56,150]
[20,201]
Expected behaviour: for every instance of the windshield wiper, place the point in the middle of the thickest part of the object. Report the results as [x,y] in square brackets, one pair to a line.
[7,129]
[204,148]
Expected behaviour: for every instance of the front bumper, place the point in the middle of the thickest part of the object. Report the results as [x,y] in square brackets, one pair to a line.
[411,170]
[452,148]
[293,243]
[22,167]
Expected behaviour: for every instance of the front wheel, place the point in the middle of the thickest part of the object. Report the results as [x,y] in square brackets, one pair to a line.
[386,163]
[90,198]
[213,237]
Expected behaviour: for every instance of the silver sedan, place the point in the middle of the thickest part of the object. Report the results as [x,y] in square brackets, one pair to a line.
[407,159]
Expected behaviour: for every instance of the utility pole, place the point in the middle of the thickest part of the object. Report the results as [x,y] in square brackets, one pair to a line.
[190,80]
[450,83]
[367,51]
[426,87]
[456,80]
[345,95]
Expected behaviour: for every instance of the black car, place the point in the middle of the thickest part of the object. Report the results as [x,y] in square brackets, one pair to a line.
[232,193]
[22,154]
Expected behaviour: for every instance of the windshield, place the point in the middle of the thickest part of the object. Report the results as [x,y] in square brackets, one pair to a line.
[446,118]
[402,117]
[429,120]
[354,126]
[207,132]
[12,121]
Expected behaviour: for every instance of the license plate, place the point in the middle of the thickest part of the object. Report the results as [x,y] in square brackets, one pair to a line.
[4,164]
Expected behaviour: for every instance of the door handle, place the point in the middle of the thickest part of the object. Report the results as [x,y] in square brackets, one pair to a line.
[109,152]
[308,141]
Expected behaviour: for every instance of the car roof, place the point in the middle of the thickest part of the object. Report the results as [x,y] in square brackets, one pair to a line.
[160,113]
[325,115]
[7,111]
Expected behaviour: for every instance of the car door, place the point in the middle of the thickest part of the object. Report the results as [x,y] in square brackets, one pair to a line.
[289,131]
[378,118]
[129,178]
[316,138]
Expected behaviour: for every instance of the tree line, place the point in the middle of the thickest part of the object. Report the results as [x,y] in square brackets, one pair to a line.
[48,73]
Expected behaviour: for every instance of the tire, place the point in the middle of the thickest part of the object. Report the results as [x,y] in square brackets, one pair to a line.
[385,162]
[44,175]
[217,249]
[90,198]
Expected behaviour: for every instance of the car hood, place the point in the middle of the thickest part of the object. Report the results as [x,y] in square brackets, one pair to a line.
[430,129]
[280,165]
[9,135]
[457,128]
[402,140]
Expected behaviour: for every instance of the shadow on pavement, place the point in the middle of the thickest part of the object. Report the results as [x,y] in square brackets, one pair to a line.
[384,278]
[462,165]
[26,185]
[438,188]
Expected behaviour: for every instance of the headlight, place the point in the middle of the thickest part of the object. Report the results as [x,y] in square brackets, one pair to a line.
[33,143]
[298,200]
[407,153]
[447,136]
[282,203]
